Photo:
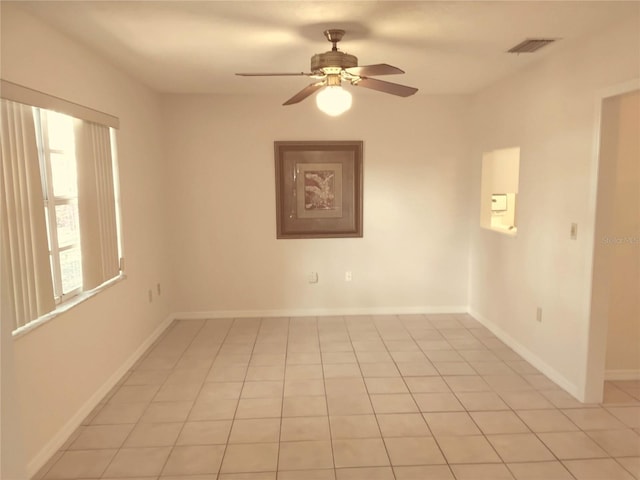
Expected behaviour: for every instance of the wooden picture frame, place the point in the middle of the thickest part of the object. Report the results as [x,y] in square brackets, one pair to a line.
[318,189]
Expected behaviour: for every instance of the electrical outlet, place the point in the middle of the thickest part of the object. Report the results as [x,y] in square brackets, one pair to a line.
[347,276]
[573,232]
[539,315]
[313,277]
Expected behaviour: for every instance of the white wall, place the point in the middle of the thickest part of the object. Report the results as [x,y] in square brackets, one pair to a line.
[413,256]
[63,363]
[621,153]
[549,111]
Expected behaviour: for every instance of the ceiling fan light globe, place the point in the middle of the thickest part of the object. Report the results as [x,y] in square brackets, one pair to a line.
[333,100]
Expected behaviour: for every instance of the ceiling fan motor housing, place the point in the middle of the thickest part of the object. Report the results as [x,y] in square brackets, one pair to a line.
[328,60]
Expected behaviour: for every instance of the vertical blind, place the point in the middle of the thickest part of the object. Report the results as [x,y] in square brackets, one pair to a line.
[27,277]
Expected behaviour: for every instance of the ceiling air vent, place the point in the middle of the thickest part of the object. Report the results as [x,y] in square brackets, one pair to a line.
[530,45]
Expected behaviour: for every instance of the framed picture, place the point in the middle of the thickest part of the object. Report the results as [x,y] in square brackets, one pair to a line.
[318,189]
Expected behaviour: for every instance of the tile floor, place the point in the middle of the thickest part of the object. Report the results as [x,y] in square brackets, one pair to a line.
[344,398]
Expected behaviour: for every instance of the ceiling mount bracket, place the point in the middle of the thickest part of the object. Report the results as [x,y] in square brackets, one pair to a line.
[334,36]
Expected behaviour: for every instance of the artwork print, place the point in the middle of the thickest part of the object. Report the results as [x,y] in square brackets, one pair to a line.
[319,190]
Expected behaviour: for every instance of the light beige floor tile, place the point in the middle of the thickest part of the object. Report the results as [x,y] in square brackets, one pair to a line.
[365,473]
[520,447]
[467,383]
[345,386]
[336,347]
[468,449]
[304,428]
[250,457]
[259,408]
[629,416]
[481,401]
[541,421]
[526,400]
[540,471]
[631,464]
[386,385]
[138,462]
[417,369]
[571,445]
[561,399]
[262,389]
[154,435]
[367,452]
[451,423]
[303,388]
[427,385]
[272,373]
[492,368]
[304,406]
[220,390]
[166,412]
[112,414]
[393,403]
[349,405]
[354,426]
[343,370]
[178,392]
[329,358]
[413,451]
[408,357]
[205,433]
[499,422]
[506,382]
[593,419]
[305,455]
[489,471]
[422,472]
[300,358]
[306,372]
[220,409]
[379,370]
[403,425]
[449,355]
[597,469]
[194,459]
[540,382]
[242,476]
[226,373]
[617,443]
[454,368]
[134,393]
[186,376]
[268,359]
[256,430]
[437,402]
[101,437]
[80,463]
[373,357]
[323,474]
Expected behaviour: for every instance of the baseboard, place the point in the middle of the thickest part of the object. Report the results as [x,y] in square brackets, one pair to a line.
[316,312]
[622,375]
[43,456]
[529,356]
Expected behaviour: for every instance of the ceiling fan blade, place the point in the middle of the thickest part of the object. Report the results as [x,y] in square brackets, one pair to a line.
[373,70]
[274,74]
[386,87]
[304,93]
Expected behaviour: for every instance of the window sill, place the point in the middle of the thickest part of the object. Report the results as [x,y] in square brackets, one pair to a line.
[503,231]
[66,306]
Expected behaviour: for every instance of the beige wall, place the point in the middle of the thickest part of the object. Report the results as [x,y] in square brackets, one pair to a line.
[63,363]
[549,111]
[413,256]
[621,152]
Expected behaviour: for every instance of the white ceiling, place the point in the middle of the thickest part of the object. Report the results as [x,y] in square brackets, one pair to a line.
[444,47]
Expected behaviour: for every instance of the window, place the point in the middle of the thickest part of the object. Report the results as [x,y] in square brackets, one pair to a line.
[499,190]
[60,235]
[58,168]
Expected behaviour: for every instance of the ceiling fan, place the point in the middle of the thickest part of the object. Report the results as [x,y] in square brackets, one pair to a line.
[331,68]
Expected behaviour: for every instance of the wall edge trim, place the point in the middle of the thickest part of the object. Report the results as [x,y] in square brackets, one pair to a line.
[530,357]
[59,439]
[314,312]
